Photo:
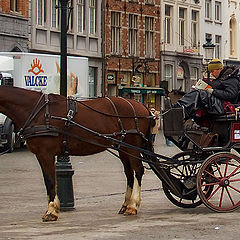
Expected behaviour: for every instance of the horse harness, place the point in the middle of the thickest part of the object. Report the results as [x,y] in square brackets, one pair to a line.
[48,130]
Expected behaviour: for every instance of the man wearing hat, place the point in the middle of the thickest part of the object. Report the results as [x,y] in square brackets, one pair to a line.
[225,87]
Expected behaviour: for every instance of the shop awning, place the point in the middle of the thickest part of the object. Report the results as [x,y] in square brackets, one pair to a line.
[141,90]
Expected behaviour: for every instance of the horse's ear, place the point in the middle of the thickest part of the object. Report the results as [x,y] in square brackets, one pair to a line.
[166,91]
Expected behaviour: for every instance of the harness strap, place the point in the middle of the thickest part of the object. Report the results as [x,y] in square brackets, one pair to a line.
[135,118]
[47,115]
[34,112]
[116,112]
[71,111]
[134,112]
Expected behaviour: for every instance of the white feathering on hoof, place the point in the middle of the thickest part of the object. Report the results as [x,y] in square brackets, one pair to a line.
[54,207]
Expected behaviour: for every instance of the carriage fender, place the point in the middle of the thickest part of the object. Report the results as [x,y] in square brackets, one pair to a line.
[7,127]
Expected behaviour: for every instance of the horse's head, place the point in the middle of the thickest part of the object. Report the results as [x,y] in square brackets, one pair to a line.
[175,95]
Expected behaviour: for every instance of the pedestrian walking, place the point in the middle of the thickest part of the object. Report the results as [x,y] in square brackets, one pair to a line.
[155,129]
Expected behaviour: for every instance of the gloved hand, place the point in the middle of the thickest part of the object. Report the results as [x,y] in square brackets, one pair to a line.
[210,90]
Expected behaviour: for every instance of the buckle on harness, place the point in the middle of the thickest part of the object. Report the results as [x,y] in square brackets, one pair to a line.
[70,114]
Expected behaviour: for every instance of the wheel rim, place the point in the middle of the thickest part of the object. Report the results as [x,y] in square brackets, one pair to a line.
[221,172]
[186,173]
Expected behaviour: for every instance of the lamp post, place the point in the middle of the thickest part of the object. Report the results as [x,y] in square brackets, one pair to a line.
[64,170]
[209,51]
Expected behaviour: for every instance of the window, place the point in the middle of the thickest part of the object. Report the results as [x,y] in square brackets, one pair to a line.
[218,11]
[132,34]
[218,42]
[41,12]
[92,81]
[195,27]
[14,5]
[115,32]
[182,22]
[232,29]
[168,24]
[92,16]
[168,75]
[149,36]
[70,15]
[80,15]
[208,9]
[193,75]
[55,17]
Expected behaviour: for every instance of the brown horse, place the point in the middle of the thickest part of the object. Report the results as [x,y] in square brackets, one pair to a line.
[41,119]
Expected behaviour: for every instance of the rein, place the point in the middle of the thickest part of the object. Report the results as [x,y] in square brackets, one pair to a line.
[108,114]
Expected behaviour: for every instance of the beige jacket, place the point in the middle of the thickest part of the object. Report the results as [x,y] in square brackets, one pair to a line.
[157,122]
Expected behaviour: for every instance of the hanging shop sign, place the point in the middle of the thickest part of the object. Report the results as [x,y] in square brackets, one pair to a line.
[111,78]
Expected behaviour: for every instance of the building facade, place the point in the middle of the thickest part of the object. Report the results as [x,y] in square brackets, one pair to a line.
[131,50]
[14,25]
[181,60]
[83,33]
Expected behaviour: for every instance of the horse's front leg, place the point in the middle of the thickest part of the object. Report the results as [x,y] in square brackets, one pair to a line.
[47,164]
[133,191]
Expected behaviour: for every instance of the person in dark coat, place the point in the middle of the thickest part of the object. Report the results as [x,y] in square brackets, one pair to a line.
[225,87]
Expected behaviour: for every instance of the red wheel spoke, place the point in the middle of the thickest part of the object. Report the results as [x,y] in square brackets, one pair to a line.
[234,171]
[210,184]
[221,197]
[234,188]
[213,192]
[225,173]
[229,195]
[234,180]
[211,174]
[218,168]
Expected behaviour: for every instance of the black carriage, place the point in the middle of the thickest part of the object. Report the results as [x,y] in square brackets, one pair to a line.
[207,169]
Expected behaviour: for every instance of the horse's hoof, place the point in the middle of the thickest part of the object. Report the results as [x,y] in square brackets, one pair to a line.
[49,217]
[130,211]
[122,210]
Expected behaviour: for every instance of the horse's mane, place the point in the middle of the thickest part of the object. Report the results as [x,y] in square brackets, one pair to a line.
[178,92]
[175,92]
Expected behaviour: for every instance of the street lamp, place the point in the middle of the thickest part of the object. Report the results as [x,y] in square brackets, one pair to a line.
[209,51]
[64,169]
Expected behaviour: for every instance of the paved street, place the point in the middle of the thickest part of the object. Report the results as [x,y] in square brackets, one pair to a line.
[99,185]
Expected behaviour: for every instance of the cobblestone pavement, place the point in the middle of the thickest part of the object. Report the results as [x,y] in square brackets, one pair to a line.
[99,185]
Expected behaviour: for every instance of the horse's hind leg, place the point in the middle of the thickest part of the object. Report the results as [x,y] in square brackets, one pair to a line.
[134,171]
[47,164]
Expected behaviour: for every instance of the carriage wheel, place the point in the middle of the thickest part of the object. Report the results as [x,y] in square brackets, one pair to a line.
[221,171]
[186,172]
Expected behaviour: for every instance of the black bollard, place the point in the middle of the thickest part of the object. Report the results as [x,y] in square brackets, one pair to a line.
[64,174]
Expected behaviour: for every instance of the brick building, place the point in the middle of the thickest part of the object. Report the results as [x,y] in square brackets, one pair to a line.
[131,49]
[14,25]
